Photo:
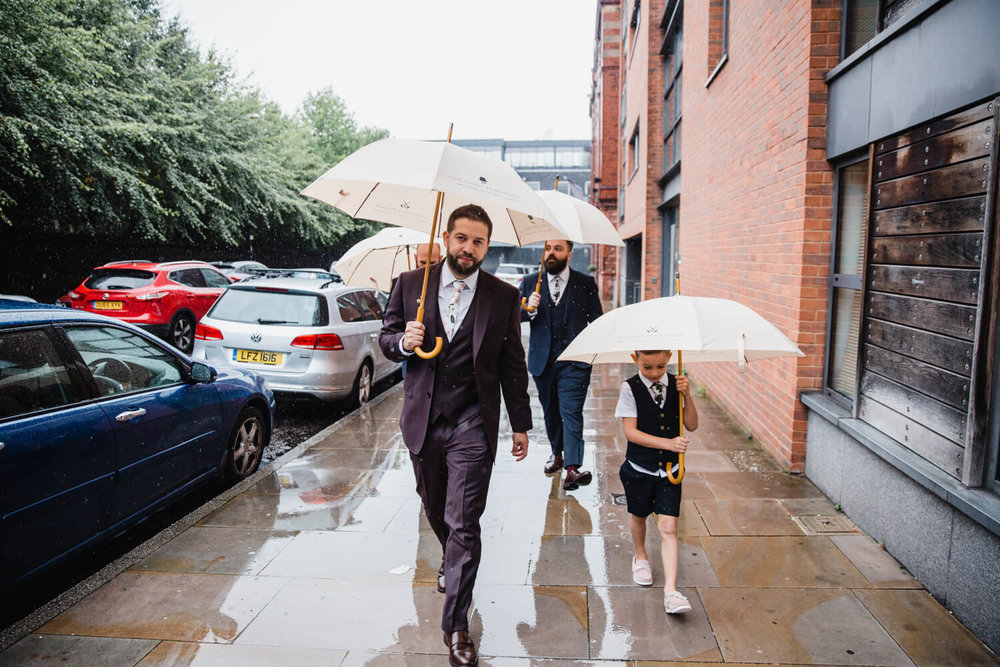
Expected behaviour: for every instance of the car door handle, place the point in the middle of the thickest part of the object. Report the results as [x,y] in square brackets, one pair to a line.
[373,335]
[129,415]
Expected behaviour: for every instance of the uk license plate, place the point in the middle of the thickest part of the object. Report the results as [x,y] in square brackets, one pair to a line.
[257,357]
[108,305]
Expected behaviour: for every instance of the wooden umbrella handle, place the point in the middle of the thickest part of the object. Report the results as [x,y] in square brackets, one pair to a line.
[680,432]
[427,272]
[538,287]
[680,403]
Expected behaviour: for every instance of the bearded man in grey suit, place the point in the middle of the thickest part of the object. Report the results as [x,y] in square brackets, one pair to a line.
[451,405]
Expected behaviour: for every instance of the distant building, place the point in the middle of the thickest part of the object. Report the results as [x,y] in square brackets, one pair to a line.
[539,163]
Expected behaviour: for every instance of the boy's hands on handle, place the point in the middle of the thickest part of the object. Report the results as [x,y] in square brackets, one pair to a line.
[520,448]
[678,444]
[684,385]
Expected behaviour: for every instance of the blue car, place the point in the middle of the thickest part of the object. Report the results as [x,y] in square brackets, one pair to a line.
[102,424]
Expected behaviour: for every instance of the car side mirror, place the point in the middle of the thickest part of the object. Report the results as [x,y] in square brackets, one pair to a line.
[202,372]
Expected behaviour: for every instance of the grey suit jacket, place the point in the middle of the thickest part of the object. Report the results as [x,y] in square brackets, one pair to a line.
[498,355]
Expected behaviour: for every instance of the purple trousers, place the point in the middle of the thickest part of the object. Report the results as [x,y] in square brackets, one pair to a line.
[453,477]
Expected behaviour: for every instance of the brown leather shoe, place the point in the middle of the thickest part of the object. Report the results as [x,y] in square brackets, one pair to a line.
[554,464]
[461,650]
[576,478]
[440,581]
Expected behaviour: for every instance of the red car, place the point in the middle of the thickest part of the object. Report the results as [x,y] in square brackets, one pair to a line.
[165,298]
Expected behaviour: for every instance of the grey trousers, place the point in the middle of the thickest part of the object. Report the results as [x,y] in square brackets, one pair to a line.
[453,477]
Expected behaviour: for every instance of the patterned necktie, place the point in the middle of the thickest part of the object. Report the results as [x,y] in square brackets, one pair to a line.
[658,393]
[459,285]
[556,291]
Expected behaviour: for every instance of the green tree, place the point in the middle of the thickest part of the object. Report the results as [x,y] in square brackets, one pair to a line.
[112,122]
[334,131]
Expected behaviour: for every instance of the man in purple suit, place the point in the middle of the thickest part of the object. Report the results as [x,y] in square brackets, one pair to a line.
[451,405]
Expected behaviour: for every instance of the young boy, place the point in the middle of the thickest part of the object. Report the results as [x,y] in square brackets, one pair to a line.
[648,407]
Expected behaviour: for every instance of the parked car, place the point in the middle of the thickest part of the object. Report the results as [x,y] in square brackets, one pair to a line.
[307,337]
[165,298]
[101,424]
[310,273]
[239,270]
[513,273]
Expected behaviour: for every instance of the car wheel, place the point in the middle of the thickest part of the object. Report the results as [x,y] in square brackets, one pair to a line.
[246,445]
[181,332]
[362,386]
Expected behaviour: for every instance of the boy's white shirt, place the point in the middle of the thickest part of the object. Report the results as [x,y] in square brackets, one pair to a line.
[626,408]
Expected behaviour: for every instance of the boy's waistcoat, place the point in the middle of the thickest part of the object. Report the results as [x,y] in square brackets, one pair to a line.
[654,420]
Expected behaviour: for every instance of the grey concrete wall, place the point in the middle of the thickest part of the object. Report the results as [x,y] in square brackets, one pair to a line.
[954,557]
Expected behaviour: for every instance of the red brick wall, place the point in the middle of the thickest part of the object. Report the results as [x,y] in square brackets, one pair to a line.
[604,143]
[756,198]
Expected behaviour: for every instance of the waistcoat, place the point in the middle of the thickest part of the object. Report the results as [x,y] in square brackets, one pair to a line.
[654,420]
[455,394]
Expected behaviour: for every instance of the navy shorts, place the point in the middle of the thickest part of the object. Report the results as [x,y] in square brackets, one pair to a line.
[647,493]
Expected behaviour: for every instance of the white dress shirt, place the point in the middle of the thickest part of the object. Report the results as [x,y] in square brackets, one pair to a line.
[626,408]
[446,291]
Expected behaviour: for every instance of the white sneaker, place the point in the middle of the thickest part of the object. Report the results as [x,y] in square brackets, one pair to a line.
[675,603]
[641,574]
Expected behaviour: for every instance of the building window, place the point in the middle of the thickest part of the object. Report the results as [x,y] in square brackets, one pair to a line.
[860,24]
[669,254]
[673,60]
[632,165]
[850,232]
[863,19]
[718,37]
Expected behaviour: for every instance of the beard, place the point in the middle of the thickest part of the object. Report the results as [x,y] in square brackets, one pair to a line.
[553,265]
[460,271]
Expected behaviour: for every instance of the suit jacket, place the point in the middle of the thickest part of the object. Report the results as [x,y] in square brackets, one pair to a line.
[583,307]
[498,356]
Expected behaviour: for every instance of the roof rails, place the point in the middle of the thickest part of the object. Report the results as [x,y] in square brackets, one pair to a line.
[183,261]
[129,261]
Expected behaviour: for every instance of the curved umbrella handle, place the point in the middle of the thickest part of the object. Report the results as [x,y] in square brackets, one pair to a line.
[680,471]
[438,343]
[538,285]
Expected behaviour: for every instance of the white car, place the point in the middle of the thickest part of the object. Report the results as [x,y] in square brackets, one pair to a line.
[308,337]
[513,273]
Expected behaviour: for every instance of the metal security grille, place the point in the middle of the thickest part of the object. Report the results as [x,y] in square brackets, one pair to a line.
[926,257]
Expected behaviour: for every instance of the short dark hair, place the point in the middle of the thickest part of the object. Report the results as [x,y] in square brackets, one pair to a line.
[641,352]
[569,244]
[472,212]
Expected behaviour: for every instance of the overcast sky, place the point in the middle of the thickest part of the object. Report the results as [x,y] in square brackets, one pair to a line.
[507,69]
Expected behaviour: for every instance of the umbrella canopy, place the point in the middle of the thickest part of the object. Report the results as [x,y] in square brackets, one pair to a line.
[583,222]
[396,181]
[377,260]
[703,328]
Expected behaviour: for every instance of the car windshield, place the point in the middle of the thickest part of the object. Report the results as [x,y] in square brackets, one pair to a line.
[119,279]
[260,307]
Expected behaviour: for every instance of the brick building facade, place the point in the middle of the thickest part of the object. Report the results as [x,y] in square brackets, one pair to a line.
[831,164]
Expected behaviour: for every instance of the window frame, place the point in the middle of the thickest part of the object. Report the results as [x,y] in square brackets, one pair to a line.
[672,84]
[633,153]
[716,67]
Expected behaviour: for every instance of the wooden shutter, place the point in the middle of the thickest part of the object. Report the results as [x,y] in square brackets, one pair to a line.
[931,192]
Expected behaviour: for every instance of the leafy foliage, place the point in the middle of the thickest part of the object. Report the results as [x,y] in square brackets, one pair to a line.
[112,123]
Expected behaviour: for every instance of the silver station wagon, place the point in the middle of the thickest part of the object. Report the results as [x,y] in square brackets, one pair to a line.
[310,337]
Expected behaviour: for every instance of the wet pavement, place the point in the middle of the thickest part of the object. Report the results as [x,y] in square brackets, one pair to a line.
[326,560]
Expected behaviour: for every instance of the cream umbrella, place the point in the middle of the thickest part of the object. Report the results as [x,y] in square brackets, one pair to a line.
[583,223]
[696,328]
[378,259]
[411,183]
